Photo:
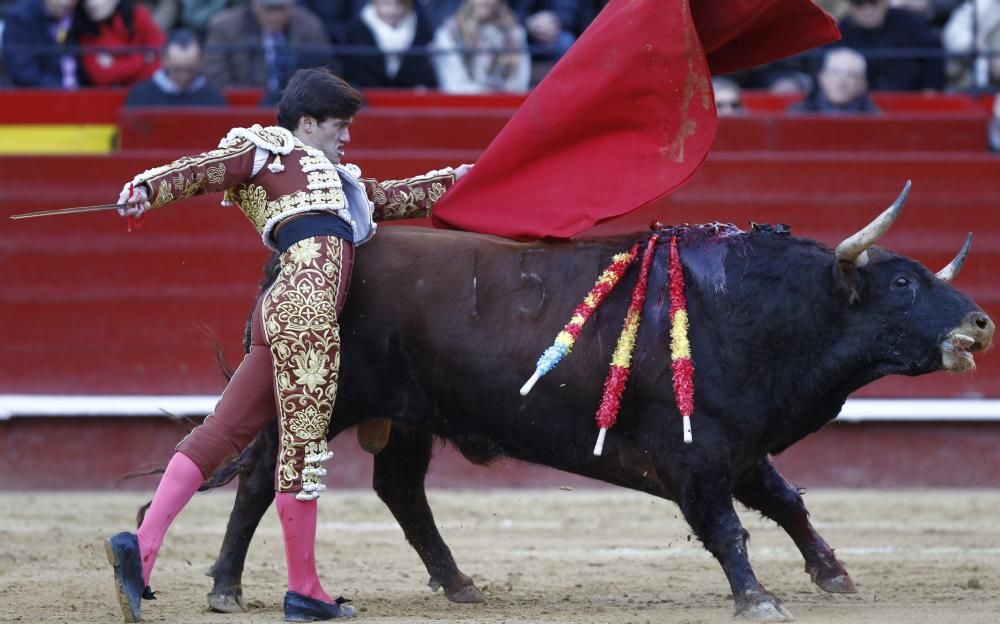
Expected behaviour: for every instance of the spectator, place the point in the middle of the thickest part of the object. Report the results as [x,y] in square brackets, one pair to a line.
[262,44]
[196,14]
[336,15]
[872,27]
[843,87]
[728,97]
[39,23]
[395,28]
[936,11]
[791,83]
[179,81]
[437,12]
[994,130]
[100,26]
[551,24]
[482,48]
[978,68]
[165,12]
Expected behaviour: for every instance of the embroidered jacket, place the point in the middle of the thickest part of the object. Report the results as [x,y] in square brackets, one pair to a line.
[293,178]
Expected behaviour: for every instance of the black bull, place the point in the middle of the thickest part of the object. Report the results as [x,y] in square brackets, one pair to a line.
[442,328]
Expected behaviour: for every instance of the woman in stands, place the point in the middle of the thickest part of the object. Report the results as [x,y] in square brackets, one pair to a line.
[100,26]
[289,182]
[482,48]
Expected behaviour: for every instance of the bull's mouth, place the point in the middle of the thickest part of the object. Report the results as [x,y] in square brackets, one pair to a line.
[956,352]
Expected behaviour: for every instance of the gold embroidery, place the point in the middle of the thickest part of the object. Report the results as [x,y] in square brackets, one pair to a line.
[163,195]
[435,192]
[378,194]
[216,174]
[253,203]
[300,323]
[401,205]
[173,174]
[194,187]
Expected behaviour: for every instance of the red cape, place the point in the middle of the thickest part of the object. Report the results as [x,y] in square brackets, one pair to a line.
[625,117]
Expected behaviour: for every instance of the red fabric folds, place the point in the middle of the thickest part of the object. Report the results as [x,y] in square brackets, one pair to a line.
[625,117]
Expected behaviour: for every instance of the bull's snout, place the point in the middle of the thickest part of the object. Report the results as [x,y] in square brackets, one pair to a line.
[984,328]
[974,334]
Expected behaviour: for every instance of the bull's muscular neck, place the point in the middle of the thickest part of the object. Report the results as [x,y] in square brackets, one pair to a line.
[805,362]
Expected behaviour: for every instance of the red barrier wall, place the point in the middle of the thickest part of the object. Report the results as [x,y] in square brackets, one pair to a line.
[93,453]
[90,308]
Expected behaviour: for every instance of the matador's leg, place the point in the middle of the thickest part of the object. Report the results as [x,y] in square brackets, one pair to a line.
[300,323]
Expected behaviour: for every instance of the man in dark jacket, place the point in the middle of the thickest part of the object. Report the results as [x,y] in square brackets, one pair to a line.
[552,24]
[841,86]
[872,27]
[396,37]
[262,44]
[179,81]
[33,45]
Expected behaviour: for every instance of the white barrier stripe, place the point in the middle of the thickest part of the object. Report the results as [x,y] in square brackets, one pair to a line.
[856,410]
[12,405]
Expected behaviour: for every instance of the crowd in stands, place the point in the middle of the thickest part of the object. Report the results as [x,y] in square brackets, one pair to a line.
[459,46]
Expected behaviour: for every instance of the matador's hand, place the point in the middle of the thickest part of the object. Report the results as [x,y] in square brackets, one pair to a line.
[136,200]
[461,170]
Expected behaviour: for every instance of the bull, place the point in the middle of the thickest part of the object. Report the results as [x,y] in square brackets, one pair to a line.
[442,327]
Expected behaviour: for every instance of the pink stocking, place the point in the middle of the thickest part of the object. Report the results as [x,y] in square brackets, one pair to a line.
[298,523]
[180,481]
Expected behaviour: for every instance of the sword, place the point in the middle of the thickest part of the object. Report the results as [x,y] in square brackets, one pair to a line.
[64,211]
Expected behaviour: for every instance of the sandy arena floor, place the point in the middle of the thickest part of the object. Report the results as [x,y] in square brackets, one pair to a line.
[554,555]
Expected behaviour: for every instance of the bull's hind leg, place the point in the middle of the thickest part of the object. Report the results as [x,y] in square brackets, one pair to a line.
[765,490]
[254,496]
[705,498]
[399,481]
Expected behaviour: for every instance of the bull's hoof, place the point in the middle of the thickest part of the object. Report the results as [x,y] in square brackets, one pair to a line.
[836,584]
[227,602]
[469,594]
[831,577]
[465,593]
[762,606]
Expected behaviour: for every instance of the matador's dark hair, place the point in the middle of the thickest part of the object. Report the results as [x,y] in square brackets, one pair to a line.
[317,93]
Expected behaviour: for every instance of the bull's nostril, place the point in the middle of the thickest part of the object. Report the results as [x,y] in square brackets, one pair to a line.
[982,321]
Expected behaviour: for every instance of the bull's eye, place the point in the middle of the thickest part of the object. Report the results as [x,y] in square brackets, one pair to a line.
[900,282]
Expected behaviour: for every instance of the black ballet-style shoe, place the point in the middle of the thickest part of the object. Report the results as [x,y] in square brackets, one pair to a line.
[299,608]
[123,555]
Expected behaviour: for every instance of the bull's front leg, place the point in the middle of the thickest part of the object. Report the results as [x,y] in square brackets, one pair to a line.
[254,495]
[707,503]
[765,490]
[399,481]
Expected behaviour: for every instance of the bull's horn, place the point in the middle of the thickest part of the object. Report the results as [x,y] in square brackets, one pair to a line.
[855,248]
[950,272]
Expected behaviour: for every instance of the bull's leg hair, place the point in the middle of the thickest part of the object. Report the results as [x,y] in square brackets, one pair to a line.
[765,490]
[707,503]
[399,481]
[253,497]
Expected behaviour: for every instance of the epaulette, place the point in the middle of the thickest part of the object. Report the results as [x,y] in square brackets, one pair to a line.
[274,139]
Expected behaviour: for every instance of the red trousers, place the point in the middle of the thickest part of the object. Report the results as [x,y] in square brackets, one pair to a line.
[292,369]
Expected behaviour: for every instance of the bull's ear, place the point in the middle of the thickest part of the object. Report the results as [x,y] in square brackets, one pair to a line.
[847,279]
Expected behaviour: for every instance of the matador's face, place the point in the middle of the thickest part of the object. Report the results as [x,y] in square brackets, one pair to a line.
[330,136]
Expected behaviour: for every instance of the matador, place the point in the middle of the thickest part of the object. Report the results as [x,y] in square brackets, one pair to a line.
[312,210]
